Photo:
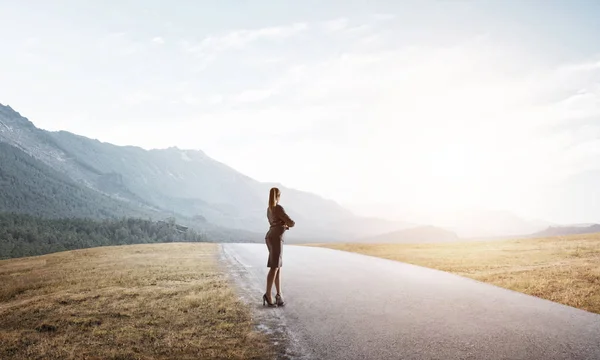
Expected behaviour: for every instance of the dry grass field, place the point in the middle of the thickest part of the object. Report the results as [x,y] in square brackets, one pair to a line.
[562,269]
[158,301]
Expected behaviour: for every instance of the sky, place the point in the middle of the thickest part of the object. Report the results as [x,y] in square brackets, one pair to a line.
[388,107]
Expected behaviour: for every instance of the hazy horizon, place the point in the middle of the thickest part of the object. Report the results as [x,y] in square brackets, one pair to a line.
[388,108]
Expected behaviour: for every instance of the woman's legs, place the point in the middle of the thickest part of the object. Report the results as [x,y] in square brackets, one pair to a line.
[270,278]
[278,281]
[274,244]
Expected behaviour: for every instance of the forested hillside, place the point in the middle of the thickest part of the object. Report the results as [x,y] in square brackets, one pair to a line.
[26,235]
[29,186]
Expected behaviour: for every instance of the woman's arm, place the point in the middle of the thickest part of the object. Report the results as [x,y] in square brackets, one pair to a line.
[284,216]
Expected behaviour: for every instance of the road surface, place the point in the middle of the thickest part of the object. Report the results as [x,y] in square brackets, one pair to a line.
[343,305]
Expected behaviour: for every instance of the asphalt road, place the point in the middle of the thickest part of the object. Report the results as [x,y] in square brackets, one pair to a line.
[348,306]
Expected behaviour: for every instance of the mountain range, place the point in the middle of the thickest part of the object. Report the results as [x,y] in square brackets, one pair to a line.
[57,173]
[417,234]
[60,174]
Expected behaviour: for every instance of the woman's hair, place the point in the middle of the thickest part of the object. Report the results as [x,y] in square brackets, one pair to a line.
[273,195]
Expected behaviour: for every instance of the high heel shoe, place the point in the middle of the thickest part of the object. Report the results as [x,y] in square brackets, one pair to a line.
[279,300]
[266,300]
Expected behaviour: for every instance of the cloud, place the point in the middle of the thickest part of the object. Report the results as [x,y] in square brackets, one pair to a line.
[190,99]
[241,39]
[581,67]
[336,25]
[139,97]
[254,95]
[263,59]
[158,40]
[120,44]
[112,39]
[383,17]
[215,99]
[31,42]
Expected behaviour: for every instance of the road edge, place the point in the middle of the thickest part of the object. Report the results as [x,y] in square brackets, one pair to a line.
[269,321]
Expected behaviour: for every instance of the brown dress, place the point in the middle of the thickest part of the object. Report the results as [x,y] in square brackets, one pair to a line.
[278,220]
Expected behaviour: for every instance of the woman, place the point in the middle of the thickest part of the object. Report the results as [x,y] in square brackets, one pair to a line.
[279,222]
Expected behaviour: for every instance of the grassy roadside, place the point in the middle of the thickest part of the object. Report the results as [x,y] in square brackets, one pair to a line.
[561,269]
[158,301]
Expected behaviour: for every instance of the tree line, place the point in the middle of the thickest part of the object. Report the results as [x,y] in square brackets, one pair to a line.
[27,235]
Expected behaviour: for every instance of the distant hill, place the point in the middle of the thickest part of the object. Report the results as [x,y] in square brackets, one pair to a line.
[466,223]
[487,223]
[419,234]
[347,230]
[568,230]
